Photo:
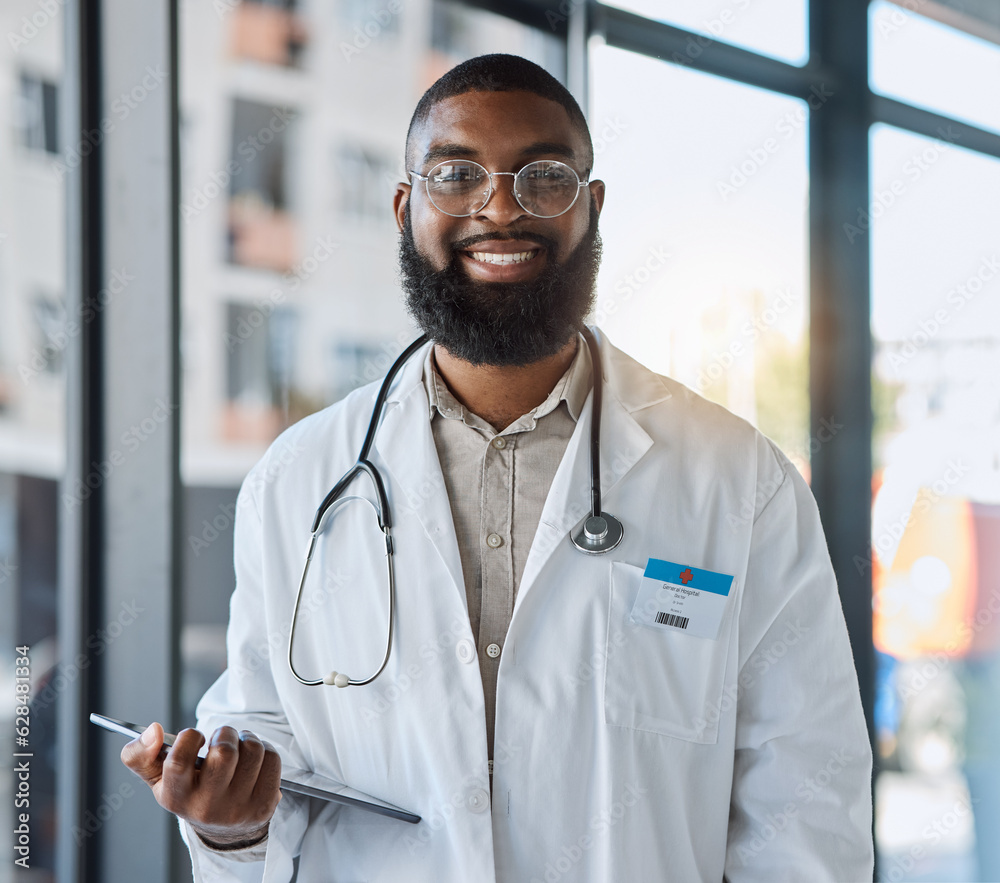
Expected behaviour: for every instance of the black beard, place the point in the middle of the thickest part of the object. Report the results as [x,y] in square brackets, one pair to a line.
[501,323]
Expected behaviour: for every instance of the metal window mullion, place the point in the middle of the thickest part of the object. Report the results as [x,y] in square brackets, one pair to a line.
[934,125]
[137,669]
[634,33]
[840,344]
[80,567]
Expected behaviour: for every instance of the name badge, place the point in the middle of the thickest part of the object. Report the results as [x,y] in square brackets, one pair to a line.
[677,597]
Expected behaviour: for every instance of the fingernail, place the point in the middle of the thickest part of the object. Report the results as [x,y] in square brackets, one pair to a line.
[148,736]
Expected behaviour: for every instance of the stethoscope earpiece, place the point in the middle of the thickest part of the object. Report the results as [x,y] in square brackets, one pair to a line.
[336,679]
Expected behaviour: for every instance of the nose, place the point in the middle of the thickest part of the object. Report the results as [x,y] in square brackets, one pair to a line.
[502,208]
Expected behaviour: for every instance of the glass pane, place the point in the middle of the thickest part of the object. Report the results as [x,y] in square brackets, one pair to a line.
[292,144]
[34,334]
[934,66]
[705,253]
[778,28]
[936,514]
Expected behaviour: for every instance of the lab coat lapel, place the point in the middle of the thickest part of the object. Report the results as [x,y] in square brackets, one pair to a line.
[628,387]
[416,484]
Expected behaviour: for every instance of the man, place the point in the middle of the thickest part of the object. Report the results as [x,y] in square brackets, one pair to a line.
[587,743]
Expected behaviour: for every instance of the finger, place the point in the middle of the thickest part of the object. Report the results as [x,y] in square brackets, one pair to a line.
[142,755]
[219,764]
[267,789]
[179,766]
[247,767]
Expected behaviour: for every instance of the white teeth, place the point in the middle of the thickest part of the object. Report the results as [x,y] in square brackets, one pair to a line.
[491,258]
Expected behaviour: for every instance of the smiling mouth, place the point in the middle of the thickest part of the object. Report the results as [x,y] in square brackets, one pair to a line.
[517,257]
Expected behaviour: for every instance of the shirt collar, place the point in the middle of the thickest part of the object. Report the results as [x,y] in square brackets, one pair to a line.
[573,388]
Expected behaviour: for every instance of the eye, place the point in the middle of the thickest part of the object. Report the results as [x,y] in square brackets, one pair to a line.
[550,174]
[452,174]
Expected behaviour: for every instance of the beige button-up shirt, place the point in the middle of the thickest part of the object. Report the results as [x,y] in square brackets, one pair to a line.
[497,484]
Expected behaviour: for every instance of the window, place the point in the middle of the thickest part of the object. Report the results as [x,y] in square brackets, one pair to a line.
[949,63]
[705,254]
[33,447]
[262,231]
[260,348]
[367,181]
[773,27]
[37,113]
[372,18]
[267,31]
[936,327]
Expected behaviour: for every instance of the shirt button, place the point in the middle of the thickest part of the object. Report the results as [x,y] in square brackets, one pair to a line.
[494,541]
[478,801]
[493,651]
[500,442]
[465,650]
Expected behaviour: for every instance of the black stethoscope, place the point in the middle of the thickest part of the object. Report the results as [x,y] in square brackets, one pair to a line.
[600,532]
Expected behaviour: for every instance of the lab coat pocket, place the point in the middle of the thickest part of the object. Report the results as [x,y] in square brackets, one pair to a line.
[660,680]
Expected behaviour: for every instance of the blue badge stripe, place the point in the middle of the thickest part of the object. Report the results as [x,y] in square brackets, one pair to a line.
[706,580]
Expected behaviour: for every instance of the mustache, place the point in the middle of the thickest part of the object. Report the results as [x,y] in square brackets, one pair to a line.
[507,235]
[500,323]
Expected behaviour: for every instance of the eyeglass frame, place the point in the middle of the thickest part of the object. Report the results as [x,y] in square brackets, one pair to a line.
[426,179]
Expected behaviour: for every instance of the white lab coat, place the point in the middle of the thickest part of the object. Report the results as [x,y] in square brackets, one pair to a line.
[623,753]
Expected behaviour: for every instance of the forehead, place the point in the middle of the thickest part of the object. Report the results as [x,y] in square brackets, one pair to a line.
[498,125]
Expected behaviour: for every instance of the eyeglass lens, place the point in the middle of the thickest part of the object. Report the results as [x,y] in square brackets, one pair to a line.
[546,188]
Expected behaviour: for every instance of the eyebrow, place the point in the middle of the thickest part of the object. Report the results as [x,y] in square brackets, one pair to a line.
[539,148]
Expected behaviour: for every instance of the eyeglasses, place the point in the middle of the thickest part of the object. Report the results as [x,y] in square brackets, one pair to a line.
[459,188]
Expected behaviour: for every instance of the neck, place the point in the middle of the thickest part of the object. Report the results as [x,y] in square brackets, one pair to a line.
[501,394]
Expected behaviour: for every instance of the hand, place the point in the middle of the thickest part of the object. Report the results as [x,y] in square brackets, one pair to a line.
[230,800]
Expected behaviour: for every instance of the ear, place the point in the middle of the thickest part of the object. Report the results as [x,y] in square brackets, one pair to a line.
[597,193]
[399,202]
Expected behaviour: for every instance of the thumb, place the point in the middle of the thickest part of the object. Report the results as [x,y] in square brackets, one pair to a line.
[142,755]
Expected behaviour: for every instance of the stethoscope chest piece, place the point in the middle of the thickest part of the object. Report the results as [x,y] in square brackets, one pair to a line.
[599,534]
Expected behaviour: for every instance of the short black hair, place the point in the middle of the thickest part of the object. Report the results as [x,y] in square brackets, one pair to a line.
[501,73]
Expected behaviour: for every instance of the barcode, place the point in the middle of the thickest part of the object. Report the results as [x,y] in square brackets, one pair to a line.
[680,622]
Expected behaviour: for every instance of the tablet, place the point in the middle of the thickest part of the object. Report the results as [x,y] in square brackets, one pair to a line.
[293,780]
